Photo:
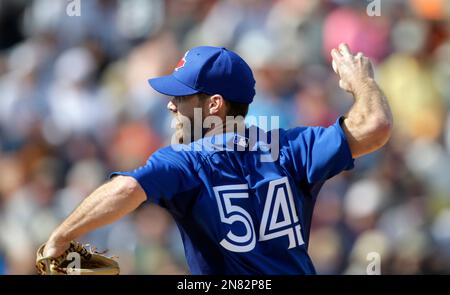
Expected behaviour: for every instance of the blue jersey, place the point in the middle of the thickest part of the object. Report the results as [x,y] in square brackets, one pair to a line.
[238,214]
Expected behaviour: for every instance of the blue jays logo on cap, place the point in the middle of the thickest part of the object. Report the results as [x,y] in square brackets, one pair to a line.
[210,70]
[182,62]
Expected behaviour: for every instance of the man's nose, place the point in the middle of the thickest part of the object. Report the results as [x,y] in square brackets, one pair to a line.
[171,106]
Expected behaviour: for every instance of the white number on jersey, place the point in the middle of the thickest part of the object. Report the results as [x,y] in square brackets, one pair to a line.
[279,203]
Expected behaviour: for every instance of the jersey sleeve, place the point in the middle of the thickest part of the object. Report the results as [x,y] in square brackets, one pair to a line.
[319,153]
[166,174]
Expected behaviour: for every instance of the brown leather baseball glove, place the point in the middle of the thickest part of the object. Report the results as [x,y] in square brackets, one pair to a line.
[77,260]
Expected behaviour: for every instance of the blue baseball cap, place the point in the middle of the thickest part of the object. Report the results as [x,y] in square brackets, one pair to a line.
[210,70]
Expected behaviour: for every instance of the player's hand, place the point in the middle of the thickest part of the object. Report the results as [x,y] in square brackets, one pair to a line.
[354,70]
[55,248]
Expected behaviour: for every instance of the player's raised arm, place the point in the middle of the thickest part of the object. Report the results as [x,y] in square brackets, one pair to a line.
[108,203]
[368,124]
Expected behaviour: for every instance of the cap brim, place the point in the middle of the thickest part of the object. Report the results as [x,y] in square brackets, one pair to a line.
[170,86]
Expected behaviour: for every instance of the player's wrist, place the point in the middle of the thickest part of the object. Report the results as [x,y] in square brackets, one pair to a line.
[59,237]
[53,249]
[363,86]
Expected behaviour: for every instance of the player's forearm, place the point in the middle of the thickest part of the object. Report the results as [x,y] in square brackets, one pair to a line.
[368,124]
[108,203]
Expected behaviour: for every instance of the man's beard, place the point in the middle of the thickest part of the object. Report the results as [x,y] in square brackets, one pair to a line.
[186,134]
[179,132]
[189,129]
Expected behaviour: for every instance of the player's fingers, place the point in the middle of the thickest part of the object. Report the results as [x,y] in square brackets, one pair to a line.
[359,55]
[344,49]
[333,64]
[336,55]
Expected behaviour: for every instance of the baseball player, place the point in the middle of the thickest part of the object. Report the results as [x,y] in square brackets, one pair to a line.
[238,212]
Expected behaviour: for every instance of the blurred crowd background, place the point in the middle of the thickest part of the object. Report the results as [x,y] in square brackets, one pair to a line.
[75,105]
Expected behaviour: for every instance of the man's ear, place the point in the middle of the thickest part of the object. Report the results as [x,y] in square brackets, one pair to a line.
[216,105]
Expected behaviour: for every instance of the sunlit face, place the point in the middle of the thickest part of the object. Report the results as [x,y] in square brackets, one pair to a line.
[183,108]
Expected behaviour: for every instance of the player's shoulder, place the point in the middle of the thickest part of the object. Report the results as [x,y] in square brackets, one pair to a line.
[310,131]
[284,136]
[177,155]
[294,132]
